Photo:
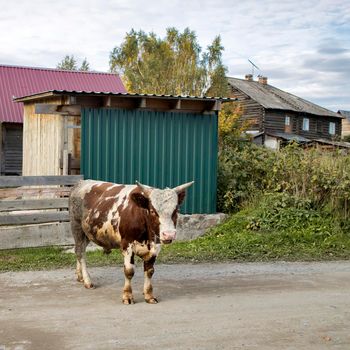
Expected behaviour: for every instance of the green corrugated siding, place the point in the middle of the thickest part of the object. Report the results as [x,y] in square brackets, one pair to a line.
[161,149]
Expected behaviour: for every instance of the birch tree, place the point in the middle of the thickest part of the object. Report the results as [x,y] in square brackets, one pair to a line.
[174,65]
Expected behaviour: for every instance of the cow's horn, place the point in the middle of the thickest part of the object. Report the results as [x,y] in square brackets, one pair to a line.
[181,188]
[146,189]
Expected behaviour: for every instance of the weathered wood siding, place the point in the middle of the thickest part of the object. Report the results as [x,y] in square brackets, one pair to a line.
[43,140]
[34,210]
[318,125]
[253,112]
[345,127]
[275,121]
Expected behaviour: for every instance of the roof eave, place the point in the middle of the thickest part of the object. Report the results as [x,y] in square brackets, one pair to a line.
[51,93]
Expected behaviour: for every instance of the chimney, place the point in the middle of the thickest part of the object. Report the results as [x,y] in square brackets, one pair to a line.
[249,77]
[262,80]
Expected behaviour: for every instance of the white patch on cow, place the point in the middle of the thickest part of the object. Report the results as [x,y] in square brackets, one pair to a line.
[155,249]
[110,187]
[96,215]
[107,225]
[127,257]
[123,195]
[165,203]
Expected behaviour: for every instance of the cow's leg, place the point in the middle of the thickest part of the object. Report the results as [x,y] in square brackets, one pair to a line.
[147,287]
[81,260]
[129,270]
[81,242]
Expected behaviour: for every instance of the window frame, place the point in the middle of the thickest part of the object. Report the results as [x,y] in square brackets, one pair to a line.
[287,120]
[331,129]
[306,124]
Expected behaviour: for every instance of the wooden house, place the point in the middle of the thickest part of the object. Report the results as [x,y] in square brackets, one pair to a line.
[274,116]
[345,123]
[16,81]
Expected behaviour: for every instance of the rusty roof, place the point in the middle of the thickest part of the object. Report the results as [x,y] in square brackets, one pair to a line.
[21,81]
[271,97]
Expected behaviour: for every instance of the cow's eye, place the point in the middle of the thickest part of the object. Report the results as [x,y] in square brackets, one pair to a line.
[152,212]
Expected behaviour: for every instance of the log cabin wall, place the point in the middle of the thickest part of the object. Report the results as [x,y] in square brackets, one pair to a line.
[318,125]
[253,112]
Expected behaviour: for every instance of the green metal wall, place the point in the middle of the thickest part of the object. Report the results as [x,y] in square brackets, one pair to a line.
[161,149]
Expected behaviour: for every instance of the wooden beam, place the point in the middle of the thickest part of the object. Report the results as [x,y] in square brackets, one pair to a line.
[34,204]
[35,235]
[33,218]
[143,103]
[107,101]
[20,192]
[178,104]
[17,181]
[72,100]
[216,106]
[43,108]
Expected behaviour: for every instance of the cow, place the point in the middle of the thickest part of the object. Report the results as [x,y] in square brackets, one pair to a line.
[136,219]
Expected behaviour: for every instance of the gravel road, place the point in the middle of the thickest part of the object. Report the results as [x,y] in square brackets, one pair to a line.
[203,306]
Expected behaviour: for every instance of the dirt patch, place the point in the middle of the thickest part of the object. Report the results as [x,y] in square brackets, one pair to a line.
[204,306]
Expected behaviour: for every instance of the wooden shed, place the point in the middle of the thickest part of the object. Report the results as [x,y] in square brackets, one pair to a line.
[20,81]
[161,141]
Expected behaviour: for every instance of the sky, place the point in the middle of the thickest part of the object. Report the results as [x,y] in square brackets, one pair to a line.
[303,47]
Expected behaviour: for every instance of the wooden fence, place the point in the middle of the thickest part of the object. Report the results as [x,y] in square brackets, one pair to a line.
[34,210]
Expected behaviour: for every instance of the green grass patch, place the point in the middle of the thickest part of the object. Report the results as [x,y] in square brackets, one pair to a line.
[51,258]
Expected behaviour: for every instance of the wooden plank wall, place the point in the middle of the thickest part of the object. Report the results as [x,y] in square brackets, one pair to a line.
[253,112]
[34,210]
[43,140]
[345,127]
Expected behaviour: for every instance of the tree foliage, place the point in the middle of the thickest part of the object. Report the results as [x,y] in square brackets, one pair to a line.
[70,63]
[175,64]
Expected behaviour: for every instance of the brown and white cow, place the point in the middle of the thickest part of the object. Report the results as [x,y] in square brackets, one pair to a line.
[134,218]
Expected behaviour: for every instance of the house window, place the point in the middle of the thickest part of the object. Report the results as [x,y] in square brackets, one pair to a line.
[288,124]
[306,124]
[332,128]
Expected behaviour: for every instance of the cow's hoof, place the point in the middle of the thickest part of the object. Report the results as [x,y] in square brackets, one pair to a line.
[128,301]
[89,285]
[152,301]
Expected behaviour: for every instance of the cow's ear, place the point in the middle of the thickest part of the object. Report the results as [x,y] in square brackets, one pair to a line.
[140,200]
[181,197]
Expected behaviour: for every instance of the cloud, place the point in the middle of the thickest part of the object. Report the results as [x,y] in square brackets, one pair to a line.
[303,48]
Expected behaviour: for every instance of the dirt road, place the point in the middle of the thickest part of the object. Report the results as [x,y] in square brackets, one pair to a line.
[206,306]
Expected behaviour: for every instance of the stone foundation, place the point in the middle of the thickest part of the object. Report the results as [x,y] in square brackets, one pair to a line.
[195,225]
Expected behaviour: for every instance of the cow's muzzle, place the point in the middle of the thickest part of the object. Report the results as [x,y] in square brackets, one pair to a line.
[167,236]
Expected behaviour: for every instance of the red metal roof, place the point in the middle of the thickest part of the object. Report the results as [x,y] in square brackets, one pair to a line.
[20,81]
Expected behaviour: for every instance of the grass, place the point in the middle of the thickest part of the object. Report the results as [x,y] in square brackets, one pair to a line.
[234,240]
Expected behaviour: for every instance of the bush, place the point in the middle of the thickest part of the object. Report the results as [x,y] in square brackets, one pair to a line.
[321,179]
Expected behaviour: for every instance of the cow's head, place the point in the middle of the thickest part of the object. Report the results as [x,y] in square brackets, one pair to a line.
[162,206]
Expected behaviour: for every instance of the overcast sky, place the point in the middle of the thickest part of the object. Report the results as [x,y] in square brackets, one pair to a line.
[303,47]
